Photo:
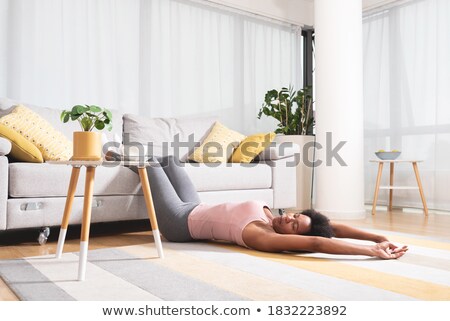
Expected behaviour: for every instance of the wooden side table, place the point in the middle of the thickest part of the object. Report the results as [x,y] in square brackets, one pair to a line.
[391,186]
[87,206]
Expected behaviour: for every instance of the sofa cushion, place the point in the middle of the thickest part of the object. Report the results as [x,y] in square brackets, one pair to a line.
[251,147]
[118,180]
[51,143]
[218,146]
[229,176]
[161,132]
[21,149]
[48,180]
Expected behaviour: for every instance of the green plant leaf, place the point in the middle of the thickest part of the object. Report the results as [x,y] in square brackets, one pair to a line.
[66,117]
[74,117]
[63,114]
[108,114]
[109,127]
[74,110]
[78,109]
[99,124]
[95,109]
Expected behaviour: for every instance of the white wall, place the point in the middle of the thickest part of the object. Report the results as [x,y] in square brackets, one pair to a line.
[299,12]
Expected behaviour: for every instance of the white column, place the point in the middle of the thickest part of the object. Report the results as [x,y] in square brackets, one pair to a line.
[339,107]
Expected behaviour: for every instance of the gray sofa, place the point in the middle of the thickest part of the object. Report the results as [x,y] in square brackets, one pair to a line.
[32,195]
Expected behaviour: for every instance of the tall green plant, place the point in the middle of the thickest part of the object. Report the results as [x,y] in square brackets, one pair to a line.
[292,109]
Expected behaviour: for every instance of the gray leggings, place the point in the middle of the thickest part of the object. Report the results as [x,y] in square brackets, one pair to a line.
[174,197]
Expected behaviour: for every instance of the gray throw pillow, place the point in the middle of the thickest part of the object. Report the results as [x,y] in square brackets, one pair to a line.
[166,136]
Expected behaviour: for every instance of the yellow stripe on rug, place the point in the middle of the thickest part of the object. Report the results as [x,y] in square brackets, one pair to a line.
[414,288]
[249,286]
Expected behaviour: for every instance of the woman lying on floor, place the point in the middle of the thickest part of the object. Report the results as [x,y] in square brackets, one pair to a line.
[183,218]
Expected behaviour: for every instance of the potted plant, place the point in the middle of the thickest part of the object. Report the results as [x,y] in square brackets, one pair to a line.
[294,112]
[87,145]
[280,105]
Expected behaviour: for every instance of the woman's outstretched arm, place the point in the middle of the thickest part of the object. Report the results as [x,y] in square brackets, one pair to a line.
[345,231]
[273,242]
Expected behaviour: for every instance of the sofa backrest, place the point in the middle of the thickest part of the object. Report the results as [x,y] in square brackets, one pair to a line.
[52,115]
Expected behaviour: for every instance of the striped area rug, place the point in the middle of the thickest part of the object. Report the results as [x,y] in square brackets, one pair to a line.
[216,271]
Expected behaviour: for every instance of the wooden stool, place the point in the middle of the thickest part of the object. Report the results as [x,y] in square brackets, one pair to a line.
[391,186]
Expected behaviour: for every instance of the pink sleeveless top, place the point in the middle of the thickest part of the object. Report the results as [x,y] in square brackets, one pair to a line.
[225,221]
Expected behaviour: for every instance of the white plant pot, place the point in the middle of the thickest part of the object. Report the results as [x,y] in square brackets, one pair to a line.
[304,169]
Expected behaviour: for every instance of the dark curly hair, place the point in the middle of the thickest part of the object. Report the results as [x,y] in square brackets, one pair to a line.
[320,224]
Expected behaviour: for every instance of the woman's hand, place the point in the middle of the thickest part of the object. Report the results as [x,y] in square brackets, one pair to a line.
[386,250]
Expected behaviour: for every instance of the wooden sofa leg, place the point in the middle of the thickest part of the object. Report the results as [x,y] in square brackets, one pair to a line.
[44,233]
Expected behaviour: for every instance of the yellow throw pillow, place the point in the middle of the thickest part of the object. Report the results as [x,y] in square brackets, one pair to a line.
[218,145]
[250,147]
[52,144]
[21,149]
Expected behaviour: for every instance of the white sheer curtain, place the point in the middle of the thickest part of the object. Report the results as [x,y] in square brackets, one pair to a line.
[158,58]
[407,97]
[272,59]
[62,52]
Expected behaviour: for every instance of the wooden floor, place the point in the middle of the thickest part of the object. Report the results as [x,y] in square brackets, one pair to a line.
[23,243]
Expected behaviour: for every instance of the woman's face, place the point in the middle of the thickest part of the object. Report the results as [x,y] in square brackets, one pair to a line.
[292,224]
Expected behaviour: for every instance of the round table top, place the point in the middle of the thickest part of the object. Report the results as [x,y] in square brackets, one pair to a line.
[102,163]
[396,161]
